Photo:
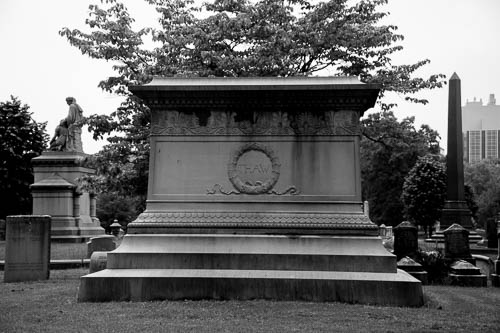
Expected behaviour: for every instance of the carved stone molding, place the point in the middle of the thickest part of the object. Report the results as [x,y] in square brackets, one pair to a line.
[255,123]
[179,219]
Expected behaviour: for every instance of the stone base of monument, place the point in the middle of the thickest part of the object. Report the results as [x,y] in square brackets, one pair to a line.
[55,193]
[353,269]
[463,273]
[413,268]
[438,237]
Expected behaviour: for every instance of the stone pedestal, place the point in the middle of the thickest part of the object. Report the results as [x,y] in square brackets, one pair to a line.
[254,192]
[55,193]
[27,251]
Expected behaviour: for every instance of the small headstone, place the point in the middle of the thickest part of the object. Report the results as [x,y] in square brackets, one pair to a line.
[491,233]
[388,231]
[405,240]
[456,244]
[27,251]
[413,268]
[381,230]
[98,261]
[104,243]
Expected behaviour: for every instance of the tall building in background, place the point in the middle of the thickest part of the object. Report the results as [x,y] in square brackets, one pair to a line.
[481,128]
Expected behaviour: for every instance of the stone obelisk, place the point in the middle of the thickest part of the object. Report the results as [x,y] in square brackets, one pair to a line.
[455,208]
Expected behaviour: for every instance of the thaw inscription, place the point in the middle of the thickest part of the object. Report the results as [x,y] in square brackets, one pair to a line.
[253,169]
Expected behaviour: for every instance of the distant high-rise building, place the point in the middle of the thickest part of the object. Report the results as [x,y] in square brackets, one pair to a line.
[481,128]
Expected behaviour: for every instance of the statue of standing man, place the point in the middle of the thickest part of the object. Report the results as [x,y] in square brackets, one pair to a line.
[73,120]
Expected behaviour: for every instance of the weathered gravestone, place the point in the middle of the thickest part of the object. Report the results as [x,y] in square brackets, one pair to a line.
[456,244]
[463,273]
[98,261]
[27,252]
[104,243]
[405,240]
[254,192]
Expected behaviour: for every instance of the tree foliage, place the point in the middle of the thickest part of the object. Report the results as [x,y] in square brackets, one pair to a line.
[238,38]
[21,139]
[389,150]
[424,192]
[484,179]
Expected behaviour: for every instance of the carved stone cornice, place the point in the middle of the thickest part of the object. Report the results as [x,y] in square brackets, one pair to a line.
[60,158]
[263,94]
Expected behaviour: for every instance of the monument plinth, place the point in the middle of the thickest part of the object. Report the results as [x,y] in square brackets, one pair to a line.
[55,192]
[254,192]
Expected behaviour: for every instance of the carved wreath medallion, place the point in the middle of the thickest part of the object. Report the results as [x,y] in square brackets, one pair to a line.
[258,187]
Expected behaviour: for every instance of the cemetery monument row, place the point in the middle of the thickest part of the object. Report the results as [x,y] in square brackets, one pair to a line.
[254,192]
[56,191]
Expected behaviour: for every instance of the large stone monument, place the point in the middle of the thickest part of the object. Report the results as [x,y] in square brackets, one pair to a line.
[254,192]
[55,190]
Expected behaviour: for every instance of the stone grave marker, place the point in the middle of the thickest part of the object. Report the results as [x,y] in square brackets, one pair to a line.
[27,255]
[104,243]
[405,240]
[491,233]
[98,261]
[456,244]
[381,230]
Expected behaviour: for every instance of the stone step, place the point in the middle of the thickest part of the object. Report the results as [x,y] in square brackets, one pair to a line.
[396,289]
[264,252]
[348,263]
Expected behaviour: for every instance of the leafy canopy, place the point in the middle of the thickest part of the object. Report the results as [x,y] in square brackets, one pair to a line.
[424,191]
[21,139]
[484,179]
[389,149]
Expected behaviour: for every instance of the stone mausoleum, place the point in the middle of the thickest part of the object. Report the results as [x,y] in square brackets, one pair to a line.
[254,192]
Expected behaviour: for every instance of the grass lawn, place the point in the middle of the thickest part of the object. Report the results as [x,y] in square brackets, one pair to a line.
[50,306]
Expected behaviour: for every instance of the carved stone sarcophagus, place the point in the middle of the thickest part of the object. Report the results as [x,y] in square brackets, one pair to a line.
[255,155]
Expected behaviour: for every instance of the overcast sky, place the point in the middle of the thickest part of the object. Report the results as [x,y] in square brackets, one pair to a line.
[42,69]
